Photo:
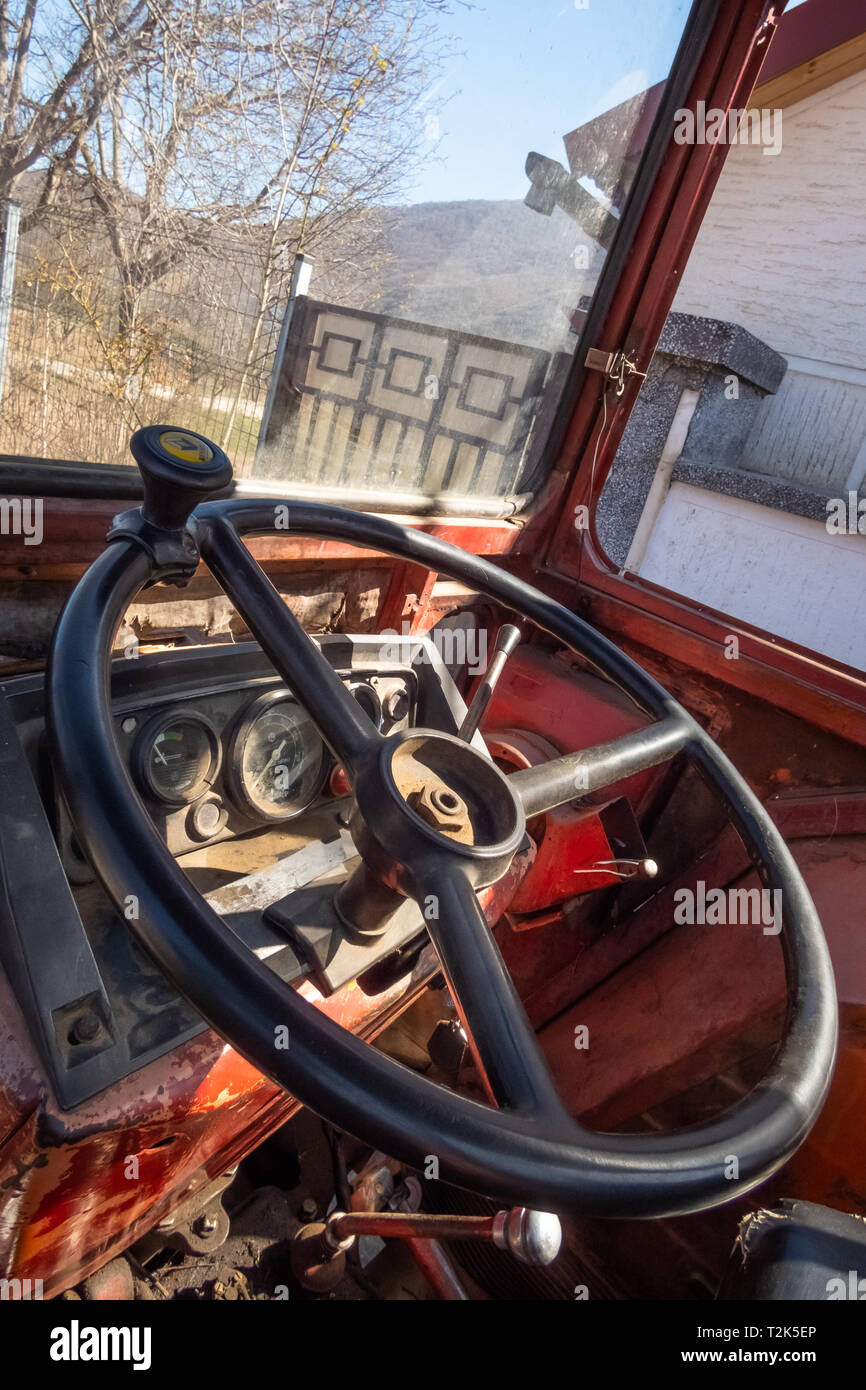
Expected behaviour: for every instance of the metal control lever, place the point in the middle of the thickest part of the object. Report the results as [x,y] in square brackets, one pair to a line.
[507,639]
[533,1236]
[319,1250]
[624,868]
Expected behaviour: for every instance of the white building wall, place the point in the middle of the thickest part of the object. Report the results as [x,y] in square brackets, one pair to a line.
[783,253]
[779,572]
[781,250]
[812,429]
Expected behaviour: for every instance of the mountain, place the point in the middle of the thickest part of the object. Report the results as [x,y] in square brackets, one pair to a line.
[495,268]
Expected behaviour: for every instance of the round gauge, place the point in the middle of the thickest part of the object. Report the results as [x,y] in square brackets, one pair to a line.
[368,700]
[277,759]
[176,757]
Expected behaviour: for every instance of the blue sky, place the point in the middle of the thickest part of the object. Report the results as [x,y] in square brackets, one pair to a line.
[522,73]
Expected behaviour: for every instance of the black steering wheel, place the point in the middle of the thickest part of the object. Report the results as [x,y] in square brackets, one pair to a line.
[525,1149]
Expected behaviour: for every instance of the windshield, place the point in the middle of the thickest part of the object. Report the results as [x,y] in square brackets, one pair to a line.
[353,244]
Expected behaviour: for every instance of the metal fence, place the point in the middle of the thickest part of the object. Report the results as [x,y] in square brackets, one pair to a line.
[80,375]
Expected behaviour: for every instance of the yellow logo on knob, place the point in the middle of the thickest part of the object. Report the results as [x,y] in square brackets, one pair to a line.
[186,447]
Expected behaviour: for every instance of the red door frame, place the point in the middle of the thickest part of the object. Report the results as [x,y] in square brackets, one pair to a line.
[814,687]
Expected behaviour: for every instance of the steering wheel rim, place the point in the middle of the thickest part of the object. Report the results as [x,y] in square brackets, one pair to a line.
[528,1151]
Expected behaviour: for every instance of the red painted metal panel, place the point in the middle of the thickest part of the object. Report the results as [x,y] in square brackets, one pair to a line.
[810,30]
[79,1187]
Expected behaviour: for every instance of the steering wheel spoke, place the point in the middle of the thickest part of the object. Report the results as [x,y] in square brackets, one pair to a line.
[346,728]
[502,1041]
[551,784]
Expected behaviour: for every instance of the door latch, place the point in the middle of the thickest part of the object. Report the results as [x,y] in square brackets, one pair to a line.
[616,366]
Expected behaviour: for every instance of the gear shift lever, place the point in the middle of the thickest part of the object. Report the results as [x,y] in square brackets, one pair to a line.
[179,469]
[318,1250]
[507,639]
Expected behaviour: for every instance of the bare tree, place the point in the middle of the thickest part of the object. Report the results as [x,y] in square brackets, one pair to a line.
[217,136]
[60,66]
[246,115]
[348,128]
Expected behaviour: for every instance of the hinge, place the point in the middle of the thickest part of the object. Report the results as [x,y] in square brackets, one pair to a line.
[616,366]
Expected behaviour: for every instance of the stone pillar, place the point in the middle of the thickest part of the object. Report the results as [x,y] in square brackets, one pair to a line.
[730,370]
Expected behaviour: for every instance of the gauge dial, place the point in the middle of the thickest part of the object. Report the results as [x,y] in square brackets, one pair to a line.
[368,699]
[277,759]
[176,757]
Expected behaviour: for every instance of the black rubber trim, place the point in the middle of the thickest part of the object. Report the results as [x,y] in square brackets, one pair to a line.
[698,28]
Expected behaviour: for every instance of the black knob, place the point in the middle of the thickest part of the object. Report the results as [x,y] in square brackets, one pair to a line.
[179,469]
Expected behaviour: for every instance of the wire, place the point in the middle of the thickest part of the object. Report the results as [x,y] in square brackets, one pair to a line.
[598,439]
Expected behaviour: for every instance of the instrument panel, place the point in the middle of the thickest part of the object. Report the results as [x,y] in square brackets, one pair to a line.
[277,760]
[176,757]
[218,749]
[230,760]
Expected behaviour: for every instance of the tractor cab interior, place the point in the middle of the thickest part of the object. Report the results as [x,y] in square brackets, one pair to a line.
[401,899]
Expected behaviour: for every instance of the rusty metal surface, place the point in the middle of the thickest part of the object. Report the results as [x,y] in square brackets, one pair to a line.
[570,841]
[77,1188]
[67,1204]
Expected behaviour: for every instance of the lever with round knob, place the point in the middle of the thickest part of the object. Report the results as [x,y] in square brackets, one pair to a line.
[179,469]
[318,1250]
[506,640]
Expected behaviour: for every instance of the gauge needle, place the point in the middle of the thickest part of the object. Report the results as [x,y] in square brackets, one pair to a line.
[160,755]
[269,764]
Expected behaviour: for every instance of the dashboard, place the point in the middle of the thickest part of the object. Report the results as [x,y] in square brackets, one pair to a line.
[228,760]
[249,800]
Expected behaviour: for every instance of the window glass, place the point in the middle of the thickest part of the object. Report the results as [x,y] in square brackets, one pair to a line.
[352,243]
[741,478]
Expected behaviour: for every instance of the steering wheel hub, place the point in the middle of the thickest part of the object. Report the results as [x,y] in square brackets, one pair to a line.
[427,796]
